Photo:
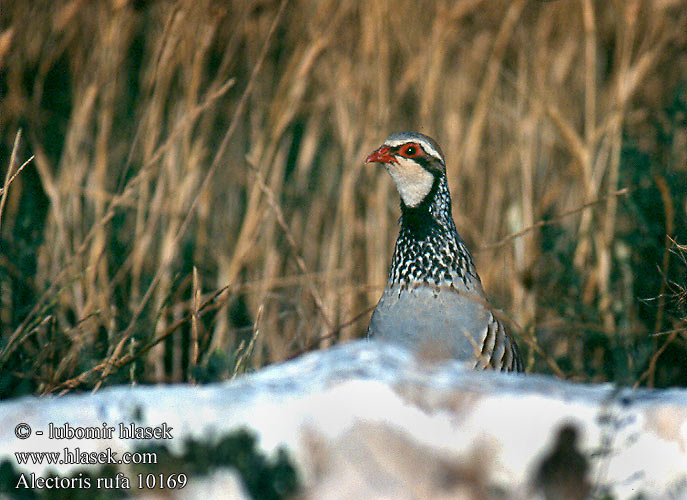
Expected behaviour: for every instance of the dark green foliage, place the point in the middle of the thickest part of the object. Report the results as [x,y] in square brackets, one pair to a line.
[265,479]
[218,367]
[648,278]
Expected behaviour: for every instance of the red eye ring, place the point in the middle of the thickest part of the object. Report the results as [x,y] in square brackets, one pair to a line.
[410,150]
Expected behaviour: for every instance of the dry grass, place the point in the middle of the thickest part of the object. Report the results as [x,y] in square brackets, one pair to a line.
[198,170]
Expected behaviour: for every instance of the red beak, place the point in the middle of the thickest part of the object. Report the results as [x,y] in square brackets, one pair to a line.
[380,155]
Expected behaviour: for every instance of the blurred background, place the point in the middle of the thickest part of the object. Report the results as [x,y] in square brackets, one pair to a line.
[193,202]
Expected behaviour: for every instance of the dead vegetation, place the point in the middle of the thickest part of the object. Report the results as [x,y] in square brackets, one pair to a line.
[196,202]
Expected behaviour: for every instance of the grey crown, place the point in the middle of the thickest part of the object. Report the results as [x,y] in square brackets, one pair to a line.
[433,301]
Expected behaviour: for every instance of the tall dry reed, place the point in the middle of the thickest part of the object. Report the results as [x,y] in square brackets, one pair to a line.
[197,183]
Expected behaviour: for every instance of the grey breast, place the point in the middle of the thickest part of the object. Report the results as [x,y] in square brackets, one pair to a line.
[441,319]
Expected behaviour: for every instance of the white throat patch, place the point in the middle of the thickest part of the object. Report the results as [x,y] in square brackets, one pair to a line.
[412,181]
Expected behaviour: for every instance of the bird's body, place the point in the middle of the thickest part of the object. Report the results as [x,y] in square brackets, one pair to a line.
[433,301]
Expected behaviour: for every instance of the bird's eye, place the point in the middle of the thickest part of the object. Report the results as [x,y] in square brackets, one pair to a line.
[410,150]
